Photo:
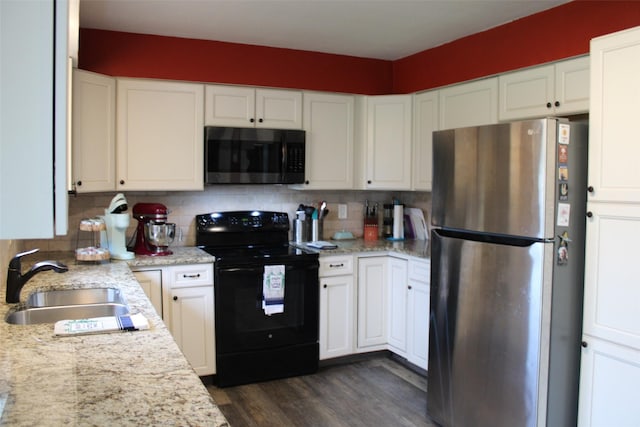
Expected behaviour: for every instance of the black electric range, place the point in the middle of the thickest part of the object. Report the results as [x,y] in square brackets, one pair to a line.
[253,344]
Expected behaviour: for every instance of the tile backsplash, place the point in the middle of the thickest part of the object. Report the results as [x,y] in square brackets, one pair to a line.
[183,206]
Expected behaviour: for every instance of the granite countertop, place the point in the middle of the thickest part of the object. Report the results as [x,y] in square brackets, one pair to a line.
[124,378]
[415,248]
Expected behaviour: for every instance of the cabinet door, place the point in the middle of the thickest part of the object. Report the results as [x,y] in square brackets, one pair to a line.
[389,142]
[425,119]
[372,302]
[30,132]
[94,132]
[572,86]
[279,109]
[609,379]
[611,294]
[159,135]
[469,104]
[613,116]
[397,303]
[418,324]
[336,316]
[151,283]
[528,93]
[191,322]
[229,106]
[329,125]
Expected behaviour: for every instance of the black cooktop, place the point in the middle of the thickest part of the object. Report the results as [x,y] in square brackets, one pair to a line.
[247,236]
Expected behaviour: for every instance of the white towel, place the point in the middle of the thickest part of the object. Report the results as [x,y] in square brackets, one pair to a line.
[100,325]
[273,289]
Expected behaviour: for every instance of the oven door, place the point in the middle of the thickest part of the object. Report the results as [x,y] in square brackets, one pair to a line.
[241,323]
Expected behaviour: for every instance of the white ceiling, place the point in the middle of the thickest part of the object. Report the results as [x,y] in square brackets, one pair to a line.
[381,29]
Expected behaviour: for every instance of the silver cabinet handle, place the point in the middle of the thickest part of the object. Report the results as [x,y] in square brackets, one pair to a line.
[336,265]
[191,276]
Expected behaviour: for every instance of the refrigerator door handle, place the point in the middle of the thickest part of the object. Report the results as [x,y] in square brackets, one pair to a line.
[491,238]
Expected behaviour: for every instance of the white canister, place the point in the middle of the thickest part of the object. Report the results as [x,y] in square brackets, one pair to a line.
[398,222]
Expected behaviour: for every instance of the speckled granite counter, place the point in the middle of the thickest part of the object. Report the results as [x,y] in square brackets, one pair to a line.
[127,378]
[416,248]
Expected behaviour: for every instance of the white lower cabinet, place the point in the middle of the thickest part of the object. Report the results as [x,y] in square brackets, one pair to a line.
[187,307]
[372,303]
[191,324]
[386,307]
[418,313]
[609,379]
[397,303]
[336,306]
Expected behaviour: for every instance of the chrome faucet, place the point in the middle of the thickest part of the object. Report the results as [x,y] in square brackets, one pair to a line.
[16,280]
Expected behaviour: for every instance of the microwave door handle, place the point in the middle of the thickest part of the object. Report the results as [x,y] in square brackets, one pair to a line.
[285,155]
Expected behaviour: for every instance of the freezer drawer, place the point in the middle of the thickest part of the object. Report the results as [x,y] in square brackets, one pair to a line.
[485,332]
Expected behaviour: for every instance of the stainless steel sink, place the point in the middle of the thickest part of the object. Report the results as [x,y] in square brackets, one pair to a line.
[76,297]
[34,315]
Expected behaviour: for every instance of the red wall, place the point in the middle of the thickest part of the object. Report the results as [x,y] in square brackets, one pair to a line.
[554,34]
[138,55]
[550,35]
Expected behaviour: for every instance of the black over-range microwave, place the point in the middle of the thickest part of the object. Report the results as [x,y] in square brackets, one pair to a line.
[253,155]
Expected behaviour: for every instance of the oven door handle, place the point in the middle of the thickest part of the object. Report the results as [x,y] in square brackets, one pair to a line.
[260,268]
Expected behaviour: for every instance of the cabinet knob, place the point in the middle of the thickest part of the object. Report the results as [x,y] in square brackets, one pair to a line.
[260,120]
[548,105]
[307,182]
[584,344]
[590,189]
[557,103]
[252,120]
[409,287]
[175,298]
[369,181]
[79,183]
[589,214]
[122,182]
[324,286]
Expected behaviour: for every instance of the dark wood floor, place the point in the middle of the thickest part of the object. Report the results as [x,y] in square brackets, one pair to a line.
[376,391]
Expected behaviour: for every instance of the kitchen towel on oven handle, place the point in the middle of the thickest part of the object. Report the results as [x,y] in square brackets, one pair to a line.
[273,289]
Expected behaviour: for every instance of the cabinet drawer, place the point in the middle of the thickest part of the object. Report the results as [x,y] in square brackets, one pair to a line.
[420,271]
[191,275]
[335,265]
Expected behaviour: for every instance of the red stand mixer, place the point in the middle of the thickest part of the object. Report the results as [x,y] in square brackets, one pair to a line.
[154,234]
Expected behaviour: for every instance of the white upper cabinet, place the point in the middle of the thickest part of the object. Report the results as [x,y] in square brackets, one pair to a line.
[32,178]
[556,89]
[613,117]
[425,121]
[239,106]
[329,124]
[388,142]
[94,132]
[160,132]
[469,104]
[611,294]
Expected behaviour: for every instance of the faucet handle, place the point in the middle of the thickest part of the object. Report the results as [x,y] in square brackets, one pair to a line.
[15,261]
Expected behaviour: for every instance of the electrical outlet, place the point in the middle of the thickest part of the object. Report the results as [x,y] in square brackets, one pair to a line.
[342,211]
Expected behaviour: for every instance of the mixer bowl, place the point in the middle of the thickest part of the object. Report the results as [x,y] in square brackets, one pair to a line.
[161,235]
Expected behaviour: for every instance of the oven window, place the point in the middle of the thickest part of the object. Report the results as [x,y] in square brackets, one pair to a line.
[241,323]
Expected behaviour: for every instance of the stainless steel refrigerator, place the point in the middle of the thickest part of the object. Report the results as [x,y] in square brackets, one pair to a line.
[507,274]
